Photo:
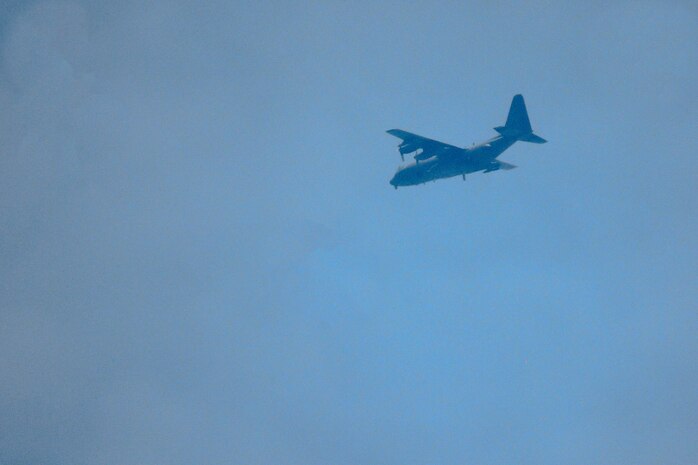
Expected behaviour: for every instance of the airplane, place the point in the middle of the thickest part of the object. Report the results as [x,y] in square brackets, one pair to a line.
[436,160]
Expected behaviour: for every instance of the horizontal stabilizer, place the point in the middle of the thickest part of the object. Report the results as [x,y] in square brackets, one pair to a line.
[499,165]
[533,138]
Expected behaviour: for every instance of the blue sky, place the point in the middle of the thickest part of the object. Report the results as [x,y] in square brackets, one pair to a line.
[202,260]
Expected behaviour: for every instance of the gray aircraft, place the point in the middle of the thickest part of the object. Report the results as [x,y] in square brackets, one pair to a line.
[435,160]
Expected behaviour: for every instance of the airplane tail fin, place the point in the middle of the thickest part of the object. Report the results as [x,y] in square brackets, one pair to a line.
[518,125]
[518,116]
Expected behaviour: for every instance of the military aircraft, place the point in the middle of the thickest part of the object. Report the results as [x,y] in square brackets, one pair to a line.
[436,160]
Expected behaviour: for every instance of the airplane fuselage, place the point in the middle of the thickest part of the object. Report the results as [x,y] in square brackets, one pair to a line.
[480,157]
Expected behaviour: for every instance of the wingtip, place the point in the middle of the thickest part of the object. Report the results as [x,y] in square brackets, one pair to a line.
[399,133]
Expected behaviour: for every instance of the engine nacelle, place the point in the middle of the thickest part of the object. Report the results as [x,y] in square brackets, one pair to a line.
[423,155]
[407,148]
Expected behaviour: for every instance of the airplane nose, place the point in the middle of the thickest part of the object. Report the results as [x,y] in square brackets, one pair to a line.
[397,177]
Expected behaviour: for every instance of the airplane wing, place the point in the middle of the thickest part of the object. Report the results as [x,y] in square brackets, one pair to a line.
[430,147]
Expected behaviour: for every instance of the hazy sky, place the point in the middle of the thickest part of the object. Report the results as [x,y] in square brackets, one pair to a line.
[202,261]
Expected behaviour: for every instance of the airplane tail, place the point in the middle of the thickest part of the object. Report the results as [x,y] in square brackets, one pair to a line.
[518,125]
